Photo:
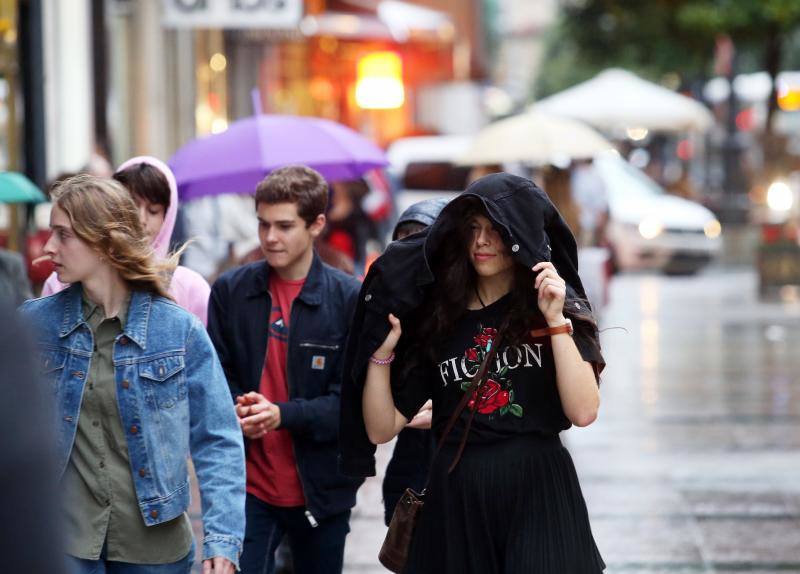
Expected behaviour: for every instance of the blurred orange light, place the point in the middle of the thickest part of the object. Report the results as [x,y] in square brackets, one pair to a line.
[789,98]
[321,89]
[214,102]
[380,81]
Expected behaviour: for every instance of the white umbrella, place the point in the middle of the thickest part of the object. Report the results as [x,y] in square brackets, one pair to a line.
[534,137]
[617,100]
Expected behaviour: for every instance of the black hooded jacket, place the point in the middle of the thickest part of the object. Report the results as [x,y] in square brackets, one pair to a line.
[397,283]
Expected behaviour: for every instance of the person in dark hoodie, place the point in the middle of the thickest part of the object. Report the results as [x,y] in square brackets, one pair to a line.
[410,460]
[498,266]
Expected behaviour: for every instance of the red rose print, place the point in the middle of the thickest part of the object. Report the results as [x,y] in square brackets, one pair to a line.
[489,331]
[490,398]
[471,354]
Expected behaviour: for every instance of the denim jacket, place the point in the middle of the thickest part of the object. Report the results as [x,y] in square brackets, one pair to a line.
[173,401]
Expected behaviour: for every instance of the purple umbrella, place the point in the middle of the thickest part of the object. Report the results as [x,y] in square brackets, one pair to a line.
[235,160]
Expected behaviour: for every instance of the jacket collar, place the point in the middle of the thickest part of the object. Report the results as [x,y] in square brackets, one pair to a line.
[135,324]
[73,310]
[310,294]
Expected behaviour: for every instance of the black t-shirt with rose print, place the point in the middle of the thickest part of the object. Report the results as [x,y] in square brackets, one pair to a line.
[519,396]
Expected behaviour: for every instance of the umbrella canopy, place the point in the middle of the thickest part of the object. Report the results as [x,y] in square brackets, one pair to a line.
[617,99]
[235,160]
[534,137]
[16,188]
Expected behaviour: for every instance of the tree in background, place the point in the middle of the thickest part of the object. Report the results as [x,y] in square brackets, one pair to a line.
[643,37]
[661,37]
[762,26]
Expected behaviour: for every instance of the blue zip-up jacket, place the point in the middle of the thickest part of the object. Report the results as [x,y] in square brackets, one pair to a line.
[238,322]
[173,403]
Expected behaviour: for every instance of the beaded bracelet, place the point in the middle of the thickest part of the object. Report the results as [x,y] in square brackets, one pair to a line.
[386,361]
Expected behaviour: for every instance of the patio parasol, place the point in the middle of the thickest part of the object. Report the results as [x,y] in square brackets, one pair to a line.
[534,137]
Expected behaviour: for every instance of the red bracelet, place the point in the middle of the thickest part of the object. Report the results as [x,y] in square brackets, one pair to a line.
[377,361]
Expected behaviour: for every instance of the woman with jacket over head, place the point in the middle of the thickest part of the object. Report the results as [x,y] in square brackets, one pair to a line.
[152,186]
[138,388]
[512,503]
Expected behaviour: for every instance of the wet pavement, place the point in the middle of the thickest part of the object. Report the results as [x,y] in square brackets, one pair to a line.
[693,464]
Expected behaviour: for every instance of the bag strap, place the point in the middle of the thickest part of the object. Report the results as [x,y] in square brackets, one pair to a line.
[473,386]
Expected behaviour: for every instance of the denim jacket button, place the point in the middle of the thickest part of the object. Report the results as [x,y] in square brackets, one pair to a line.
[125,384]
[154,514]
[123,340]
[142,472]
[78,374]
[134,429]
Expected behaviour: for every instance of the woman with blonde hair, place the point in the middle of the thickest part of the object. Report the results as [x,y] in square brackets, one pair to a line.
[138,389]
[152,186]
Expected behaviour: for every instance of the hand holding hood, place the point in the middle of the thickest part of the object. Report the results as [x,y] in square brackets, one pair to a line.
[530,224]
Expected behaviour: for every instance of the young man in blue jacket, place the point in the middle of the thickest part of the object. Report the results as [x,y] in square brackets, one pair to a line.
[279,327]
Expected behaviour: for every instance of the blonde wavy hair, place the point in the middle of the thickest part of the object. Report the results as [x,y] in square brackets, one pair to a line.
[104,215]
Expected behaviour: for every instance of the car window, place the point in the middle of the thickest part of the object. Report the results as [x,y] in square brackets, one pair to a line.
[435,175]
[620,177]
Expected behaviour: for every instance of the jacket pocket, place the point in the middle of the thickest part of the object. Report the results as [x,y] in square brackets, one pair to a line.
[164,380]
[53,362]
[320,364]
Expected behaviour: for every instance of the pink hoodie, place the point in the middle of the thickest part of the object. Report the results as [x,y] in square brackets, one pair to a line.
[188,287]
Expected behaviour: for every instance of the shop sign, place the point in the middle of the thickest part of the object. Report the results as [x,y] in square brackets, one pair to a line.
[263,14]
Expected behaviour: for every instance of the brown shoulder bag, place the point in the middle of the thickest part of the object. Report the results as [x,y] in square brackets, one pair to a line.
[394,552]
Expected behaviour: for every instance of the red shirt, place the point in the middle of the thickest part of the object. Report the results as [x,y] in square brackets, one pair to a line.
[271,466]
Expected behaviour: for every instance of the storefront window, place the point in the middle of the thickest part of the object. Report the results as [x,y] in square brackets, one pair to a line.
[211,111]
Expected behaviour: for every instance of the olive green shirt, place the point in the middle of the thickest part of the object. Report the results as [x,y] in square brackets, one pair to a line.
[100,497]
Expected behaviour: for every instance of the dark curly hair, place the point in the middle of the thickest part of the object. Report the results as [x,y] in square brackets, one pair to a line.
[455,283]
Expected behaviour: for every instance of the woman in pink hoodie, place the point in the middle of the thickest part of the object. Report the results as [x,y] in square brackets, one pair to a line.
[153,187]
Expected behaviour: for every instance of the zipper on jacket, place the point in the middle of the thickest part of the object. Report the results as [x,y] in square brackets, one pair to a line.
[311,520]
[317,346]
[310,517]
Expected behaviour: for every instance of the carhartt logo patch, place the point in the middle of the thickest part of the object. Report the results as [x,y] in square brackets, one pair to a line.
[318,362]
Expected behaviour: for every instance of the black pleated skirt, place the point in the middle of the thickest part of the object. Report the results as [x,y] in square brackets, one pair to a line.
[510,507]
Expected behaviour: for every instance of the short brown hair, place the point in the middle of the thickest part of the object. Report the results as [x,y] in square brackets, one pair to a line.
[146,182]
[295,184]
